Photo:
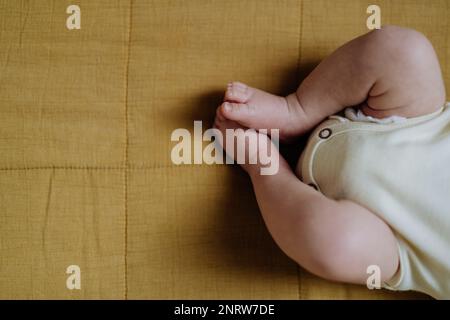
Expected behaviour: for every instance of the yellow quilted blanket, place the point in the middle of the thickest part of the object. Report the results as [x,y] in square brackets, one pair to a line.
[86,115]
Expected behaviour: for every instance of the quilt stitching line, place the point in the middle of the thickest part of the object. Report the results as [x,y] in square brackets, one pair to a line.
[99,168]
[126,160]
[60,168]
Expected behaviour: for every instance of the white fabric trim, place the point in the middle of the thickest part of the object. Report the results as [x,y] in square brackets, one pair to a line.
[357,115]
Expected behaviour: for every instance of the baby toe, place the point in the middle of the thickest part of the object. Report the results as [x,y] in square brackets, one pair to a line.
[236,111]
[237,92]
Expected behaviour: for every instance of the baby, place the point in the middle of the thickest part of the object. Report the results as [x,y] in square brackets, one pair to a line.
[372,187]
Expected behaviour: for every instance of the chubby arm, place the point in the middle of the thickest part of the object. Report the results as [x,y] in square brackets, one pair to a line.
[336,240]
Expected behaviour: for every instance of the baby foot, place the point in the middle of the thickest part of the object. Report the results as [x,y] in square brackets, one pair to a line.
[253,150]
[254,108]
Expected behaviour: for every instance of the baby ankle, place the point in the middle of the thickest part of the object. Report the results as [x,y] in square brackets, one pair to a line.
[293,104]
[297,114]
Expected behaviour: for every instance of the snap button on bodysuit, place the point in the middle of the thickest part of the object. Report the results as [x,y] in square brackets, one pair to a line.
[325,133]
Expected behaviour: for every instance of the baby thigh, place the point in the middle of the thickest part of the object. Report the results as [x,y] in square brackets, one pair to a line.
[408,79]
[334,239]
[391,71]
[340,240]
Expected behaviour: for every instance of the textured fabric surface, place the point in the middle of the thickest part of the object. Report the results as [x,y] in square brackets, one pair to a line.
[85,123]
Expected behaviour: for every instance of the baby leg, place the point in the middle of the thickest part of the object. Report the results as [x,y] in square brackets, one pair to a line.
[336,240]
[388,71]
[391,71]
